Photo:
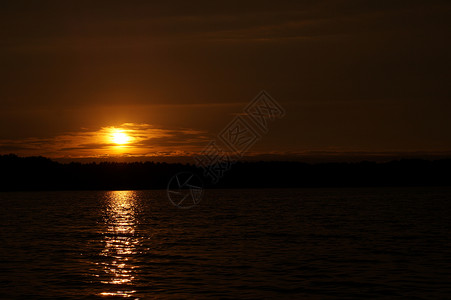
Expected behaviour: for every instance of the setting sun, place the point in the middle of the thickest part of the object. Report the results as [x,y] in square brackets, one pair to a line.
[119,137]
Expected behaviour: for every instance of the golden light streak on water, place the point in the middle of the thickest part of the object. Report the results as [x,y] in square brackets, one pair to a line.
[121,243]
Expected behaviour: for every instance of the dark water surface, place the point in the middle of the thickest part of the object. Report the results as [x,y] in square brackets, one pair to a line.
[283,244]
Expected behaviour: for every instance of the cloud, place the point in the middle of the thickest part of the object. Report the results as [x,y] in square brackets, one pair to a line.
[145,140]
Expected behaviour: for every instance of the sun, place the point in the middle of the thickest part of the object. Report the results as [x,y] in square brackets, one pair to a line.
[119,137]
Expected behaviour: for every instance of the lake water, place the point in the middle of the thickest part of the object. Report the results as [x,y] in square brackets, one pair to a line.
[283,244]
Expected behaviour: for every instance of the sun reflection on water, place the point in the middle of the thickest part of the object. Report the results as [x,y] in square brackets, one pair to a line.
[121,244]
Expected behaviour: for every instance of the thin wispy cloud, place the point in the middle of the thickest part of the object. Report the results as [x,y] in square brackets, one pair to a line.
[143,140]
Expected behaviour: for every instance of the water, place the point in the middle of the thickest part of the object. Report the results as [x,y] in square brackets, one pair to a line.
[284,244]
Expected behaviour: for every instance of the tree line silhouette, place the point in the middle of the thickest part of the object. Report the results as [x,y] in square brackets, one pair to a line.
[40,173]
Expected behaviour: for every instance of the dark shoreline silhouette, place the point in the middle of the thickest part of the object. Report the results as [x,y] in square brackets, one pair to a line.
[40,173]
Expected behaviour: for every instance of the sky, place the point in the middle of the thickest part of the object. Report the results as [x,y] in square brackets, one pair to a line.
[354,78]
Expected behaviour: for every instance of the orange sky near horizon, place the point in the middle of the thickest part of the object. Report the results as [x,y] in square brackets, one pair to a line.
[127,139]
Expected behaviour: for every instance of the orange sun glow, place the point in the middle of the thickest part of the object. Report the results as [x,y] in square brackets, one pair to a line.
[119,137]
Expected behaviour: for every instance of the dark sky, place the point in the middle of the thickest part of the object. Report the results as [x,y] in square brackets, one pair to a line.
[353,76]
